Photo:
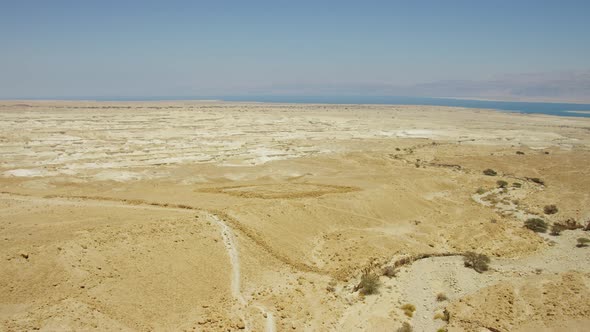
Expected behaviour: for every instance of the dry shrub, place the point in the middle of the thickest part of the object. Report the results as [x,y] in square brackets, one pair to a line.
[406,327]
[478,262]
[441,297]
[536,225]
[331,286]
[582,242]
[490,172]
[569,224]
[502,184]
[409,309]
[550,209]
[389,271]
[556,229]
[369,283]
[537,181]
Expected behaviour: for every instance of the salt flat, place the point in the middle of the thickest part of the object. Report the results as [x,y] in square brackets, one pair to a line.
[214,215]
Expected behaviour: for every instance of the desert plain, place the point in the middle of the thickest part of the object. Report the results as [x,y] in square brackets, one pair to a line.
[222,216]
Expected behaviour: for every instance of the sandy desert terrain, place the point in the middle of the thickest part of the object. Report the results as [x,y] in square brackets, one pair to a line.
[218,216]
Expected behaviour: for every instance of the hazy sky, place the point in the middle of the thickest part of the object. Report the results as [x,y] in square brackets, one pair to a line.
[181,48]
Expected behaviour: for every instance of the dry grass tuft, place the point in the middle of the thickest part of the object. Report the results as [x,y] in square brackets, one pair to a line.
[408,309]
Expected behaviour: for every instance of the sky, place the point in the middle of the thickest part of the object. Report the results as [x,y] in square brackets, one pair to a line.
[52,49]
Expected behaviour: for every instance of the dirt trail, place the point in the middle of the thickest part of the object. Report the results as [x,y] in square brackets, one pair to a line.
[270,319]
[232,250]
[226,232]
[100,201]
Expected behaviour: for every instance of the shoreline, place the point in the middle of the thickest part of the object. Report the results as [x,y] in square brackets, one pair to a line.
[521,107]
[566,113]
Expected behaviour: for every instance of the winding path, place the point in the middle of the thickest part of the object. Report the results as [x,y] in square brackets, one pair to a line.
[226,232]
[232,250]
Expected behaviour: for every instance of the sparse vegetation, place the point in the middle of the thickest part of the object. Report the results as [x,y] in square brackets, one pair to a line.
[582,242]
[446,315]
[389,271]
[536,225]
[441,297]
[519,152]
[478,262]
[409,309]
[406,327]
[439,315]
[556,229]
[490,172]
[550,209]
[480,191]
[369,283]
[502,184]
[537,181]
[442,329]
[569,224]
[516,184]
[331,286]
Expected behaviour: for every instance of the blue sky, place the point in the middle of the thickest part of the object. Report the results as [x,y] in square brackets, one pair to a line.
[199,48]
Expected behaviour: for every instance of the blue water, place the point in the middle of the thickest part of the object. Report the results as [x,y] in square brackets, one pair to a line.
[560,109]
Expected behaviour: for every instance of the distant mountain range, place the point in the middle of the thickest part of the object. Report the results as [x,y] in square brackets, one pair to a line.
[566,87]
[571,87]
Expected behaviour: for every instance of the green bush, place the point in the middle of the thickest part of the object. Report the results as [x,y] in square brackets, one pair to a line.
[556,229]
[583,242]
[478,262]
[537,180]
[536,225]
[490,172]
[550,209]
